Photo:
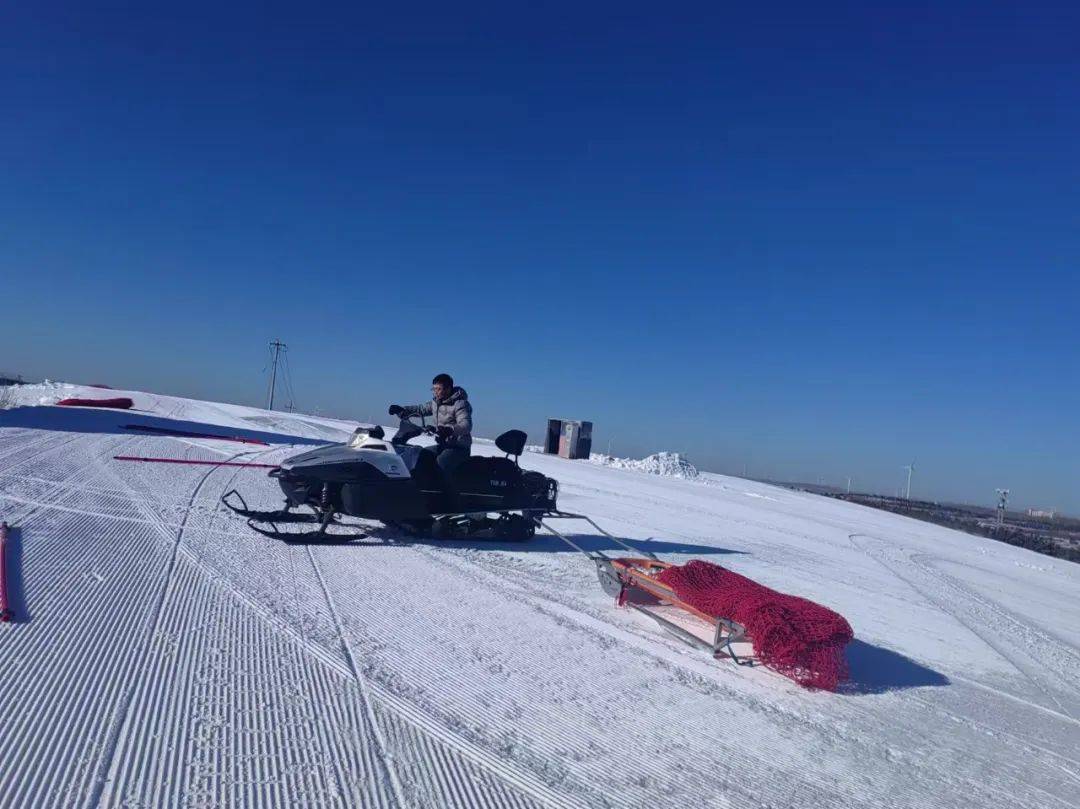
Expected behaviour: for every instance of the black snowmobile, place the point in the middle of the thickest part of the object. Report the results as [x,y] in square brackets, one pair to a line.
[402,485]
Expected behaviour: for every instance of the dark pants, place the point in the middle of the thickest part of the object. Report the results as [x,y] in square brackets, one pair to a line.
[450,458]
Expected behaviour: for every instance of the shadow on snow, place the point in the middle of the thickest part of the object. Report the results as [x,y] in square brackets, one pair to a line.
[20,612]
[541,543]
[89,420]
[877,670]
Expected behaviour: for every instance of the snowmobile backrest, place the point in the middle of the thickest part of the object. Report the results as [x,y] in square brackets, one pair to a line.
[512,442]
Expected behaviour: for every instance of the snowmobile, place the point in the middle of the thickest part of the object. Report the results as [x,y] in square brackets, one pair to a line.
[402,485]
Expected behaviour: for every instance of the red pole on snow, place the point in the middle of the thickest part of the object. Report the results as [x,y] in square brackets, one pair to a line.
[195,463]
[5,605]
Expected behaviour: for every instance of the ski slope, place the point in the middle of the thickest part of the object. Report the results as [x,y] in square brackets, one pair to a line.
[165,655]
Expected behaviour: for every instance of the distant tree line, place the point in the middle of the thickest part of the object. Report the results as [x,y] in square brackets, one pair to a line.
[1063,545]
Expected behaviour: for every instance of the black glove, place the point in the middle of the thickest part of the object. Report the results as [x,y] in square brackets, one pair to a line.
[396,410]
[443,433]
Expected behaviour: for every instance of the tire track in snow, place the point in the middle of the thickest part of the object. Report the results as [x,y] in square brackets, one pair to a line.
[460,776]
[543,735]
[977,615]
[532,790]
[30,441]
[467,781]
[209,575]
[369,711]
[11,473]
[520,585]
[123,716]
[652,645]
[1060,657]
[241,754]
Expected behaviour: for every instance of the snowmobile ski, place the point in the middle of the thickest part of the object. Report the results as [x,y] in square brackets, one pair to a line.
[257,518]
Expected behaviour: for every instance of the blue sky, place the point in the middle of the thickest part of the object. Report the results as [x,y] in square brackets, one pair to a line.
[817,242]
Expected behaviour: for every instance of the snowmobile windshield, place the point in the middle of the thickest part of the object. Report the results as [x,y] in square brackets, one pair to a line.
[406,431]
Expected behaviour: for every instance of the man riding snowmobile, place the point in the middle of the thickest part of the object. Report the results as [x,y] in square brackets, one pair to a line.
[440,492]
[453,421]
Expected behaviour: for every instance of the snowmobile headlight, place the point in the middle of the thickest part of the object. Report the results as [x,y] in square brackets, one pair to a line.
[362,434]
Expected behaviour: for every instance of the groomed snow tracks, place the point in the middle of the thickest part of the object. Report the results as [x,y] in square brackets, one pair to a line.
[167,687]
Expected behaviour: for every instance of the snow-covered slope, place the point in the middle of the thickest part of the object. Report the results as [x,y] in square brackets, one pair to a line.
[165,655]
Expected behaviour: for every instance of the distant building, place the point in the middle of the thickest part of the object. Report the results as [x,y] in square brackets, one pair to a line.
[568,438]
[1042,513]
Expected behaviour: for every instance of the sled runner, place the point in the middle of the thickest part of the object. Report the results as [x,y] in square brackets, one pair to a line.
[633,583]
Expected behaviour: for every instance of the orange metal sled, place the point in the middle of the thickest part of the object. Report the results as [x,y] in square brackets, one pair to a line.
[635,586]
[633,583]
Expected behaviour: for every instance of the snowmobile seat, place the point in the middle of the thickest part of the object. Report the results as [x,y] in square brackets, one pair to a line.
[512,442]
[422,466]
[427,473]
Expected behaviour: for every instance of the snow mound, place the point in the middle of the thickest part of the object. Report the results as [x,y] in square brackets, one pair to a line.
[665,464]
[40,394]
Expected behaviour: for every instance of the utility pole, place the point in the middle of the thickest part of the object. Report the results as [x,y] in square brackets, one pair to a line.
[277,347]
[910,468]
[1003,500]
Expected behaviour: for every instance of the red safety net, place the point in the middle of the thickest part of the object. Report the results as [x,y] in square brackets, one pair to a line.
[119,404]
[791,635]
